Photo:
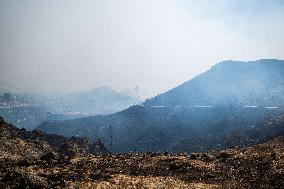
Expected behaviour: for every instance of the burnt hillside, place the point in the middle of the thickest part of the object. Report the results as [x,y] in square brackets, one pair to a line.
[19,142]
[28,161]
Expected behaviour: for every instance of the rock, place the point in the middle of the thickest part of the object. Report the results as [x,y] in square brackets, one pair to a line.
[99,176]
[175,166]
[69,149]
[273,156]
[193,156]
[23,180]
[49,156]
[223,155]
[99,148]
[206,158]
[24,163]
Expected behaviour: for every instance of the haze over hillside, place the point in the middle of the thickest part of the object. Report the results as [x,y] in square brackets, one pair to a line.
[196,115]
[142,94]
[29,110]
[259,83]
[102,100]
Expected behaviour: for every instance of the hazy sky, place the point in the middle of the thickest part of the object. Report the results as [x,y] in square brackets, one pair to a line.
[69,45]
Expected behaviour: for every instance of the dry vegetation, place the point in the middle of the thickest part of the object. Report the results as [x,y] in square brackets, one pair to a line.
[36,164]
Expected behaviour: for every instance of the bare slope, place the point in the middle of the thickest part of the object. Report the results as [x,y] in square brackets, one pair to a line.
[256,166]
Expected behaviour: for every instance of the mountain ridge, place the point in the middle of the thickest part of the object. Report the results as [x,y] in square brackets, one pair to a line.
[208,107]
[215,75]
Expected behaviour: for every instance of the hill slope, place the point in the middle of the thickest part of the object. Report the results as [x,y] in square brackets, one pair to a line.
[256,166]
[101,100]
[19,143]
[258,82]
[29,110]
[190,117]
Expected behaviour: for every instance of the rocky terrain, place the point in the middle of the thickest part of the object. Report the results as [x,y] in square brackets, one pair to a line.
[37,160]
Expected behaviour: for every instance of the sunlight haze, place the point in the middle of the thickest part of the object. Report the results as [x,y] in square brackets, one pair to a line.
[68,45]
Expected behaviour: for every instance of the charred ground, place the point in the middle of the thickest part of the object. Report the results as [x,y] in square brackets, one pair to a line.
[37,160]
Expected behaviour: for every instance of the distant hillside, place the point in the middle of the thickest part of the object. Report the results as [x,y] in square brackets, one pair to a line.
[258,82]
[102,100]
[29,110]
[22,110]
[228,101]
[167,129]
[28,117]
